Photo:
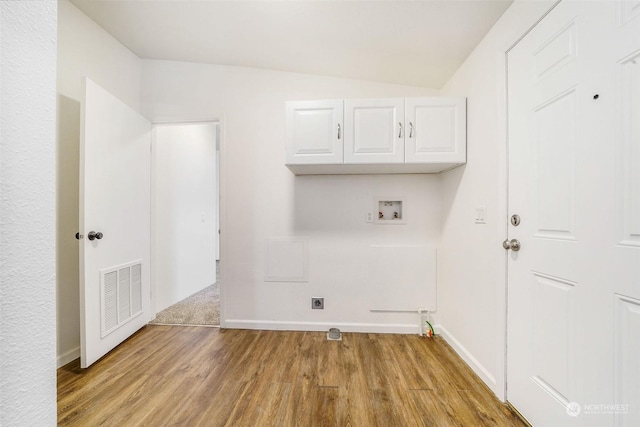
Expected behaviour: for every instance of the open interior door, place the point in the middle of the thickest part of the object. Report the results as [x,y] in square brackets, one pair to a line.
[114,221]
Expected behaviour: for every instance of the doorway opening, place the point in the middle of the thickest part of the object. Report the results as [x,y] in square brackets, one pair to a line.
[185,199]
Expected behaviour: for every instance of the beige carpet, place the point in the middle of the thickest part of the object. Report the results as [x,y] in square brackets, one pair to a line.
[202,308]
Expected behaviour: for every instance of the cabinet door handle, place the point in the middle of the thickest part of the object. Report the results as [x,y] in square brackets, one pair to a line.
[400,133]
[338,130]
[410,130]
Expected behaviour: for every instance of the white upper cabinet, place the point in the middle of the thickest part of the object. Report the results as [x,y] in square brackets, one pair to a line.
[373,131]
[314,132]
[436,130]
[387,135]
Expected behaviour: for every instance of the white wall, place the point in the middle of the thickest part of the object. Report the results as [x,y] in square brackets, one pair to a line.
[27,213]
[185,229]
[262,198]
[84,49]
[472,309]
[87,50]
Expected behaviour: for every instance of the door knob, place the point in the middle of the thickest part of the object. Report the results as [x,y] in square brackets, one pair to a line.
[513,244]
[93,235]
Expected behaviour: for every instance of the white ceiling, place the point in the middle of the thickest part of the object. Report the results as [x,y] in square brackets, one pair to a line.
[419,43]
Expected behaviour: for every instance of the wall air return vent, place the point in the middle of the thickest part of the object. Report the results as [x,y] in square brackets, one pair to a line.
[120,295]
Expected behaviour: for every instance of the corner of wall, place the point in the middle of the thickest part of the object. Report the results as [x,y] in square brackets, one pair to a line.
[477,367]
[471,280]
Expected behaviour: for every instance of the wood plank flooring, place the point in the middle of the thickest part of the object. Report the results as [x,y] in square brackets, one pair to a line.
[193,376]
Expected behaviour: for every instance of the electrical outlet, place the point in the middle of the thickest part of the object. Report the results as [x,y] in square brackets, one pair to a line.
[317,303]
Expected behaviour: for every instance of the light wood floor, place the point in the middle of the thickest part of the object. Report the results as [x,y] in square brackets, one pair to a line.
[191,376]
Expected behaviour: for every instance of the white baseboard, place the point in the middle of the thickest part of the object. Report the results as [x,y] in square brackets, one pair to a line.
[473,363]
[271,325]
[67,357]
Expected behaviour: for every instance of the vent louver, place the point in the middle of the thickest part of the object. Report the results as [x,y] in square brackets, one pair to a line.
[121,291]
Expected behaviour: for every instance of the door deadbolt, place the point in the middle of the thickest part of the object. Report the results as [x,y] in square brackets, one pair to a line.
[515,220]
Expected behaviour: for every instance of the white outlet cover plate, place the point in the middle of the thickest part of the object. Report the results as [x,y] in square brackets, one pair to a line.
[481,215]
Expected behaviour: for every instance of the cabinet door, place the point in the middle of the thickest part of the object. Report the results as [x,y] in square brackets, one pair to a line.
[314,132]
[436,130]
[373,130]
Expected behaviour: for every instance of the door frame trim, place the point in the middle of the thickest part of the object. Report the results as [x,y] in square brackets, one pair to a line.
[503,199]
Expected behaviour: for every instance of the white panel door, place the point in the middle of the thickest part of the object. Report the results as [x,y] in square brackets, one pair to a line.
[374,130]
[436,130]
[573,352]
[314,132]
[115,222]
